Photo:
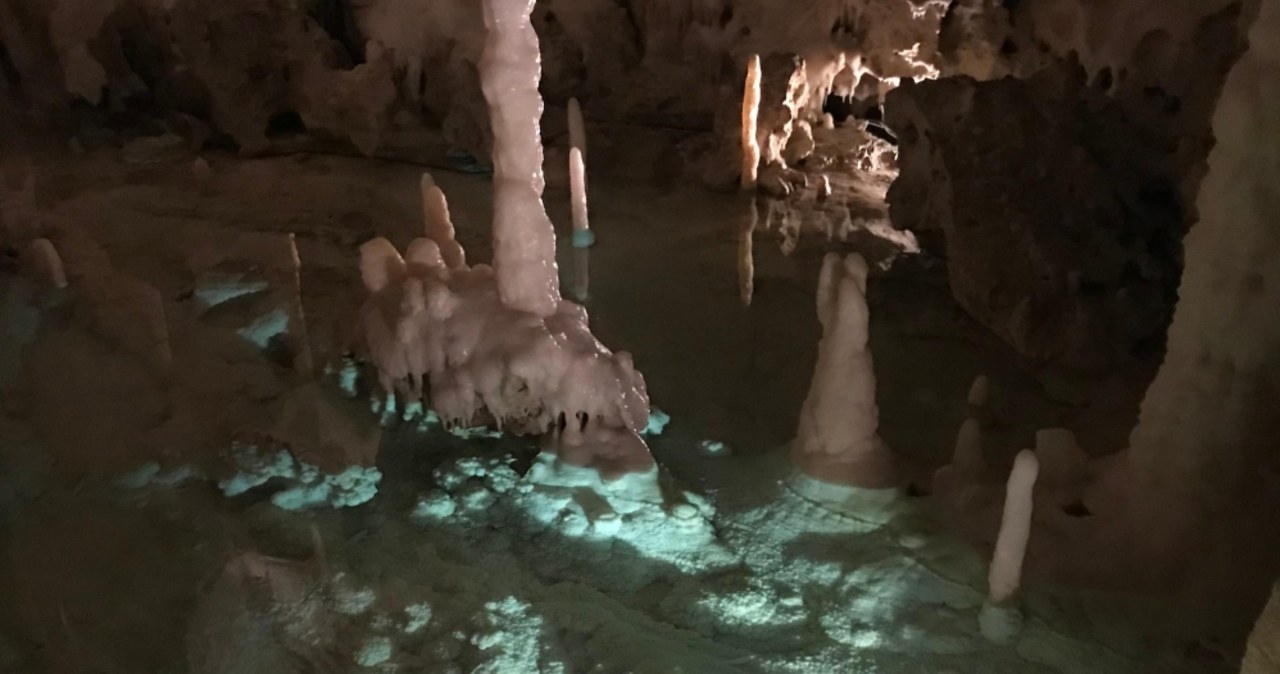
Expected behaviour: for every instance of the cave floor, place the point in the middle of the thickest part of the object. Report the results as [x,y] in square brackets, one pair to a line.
[452,567]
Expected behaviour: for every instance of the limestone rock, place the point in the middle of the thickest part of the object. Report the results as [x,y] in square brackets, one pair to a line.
[1089,222]
[784,91]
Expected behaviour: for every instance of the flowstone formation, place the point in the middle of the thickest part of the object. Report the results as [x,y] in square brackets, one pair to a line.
[445,338]
[499,345]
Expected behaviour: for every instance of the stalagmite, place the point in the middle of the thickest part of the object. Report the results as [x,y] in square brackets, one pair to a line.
[583,237]
[524,243]
[577,128]
[439,224]
[380,264]
[999,620]
[750,117]
[837,441]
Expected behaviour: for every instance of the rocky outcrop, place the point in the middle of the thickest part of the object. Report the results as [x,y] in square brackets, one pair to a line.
[1061,220]
[242,66]
[1085,175]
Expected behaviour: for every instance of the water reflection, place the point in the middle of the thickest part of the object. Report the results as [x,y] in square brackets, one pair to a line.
[746,253]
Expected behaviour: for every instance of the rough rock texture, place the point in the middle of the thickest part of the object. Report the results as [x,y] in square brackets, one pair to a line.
[974,39]
[1154,72]
[241,65]
[1060,221]
[1205,436]
[783,92]
[247,67]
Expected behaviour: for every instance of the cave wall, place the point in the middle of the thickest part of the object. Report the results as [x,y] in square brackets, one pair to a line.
[1207,431]
[1060,226]
[1083,176]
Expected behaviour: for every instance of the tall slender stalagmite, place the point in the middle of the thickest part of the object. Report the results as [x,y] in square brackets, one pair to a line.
[1000,619]
[524,242]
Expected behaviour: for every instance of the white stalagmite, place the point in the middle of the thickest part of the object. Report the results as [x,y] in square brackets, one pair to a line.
[1005,575]
[577,127]
[524,243]
[837,441]
[750,117]
[439,224]
[380,264]
[499,346]
[999,620]
[582,235]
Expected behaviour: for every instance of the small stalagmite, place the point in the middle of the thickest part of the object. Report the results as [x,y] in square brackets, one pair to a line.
[439,224]
[999,619]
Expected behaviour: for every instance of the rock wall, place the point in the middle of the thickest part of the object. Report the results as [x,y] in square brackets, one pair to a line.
[1206,434]
[1083,180]
[1060,225]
